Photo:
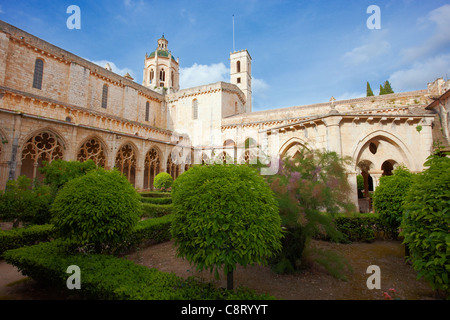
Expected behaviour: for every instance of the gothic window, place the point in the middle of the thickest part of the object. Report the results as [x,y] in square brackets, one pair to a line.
[162,75]
[105,96]
[44,146]
[38,73]
[126,162]
[195,109]
[92,149]
[238,66]
[147,111]
[172,78]
[152,167]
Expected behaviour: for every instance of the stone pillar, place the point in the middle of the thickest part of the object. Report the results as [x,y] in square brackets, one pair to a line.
[333,133]
[351,177]
[139,178]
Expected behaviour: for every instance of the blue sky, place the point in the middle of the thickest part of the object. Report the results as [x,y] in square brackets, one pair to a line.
[303,52]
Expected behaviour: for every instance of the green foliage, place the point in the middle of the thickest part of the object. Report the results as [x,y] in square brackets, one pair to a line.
[20,237]
[21,202]
[97,209]
[224,215]
[360,182]
[389,196]
[387,87]
[156,194]
[163,181]
[58,172]
[152,200]
[151,210]
[369,90]
[106,277]
[308,184]
[359,227]
[426,221]
[289,259]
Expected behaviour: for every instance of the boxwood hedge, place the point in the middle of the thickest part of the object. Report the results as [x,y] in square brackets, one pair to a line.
[110,278]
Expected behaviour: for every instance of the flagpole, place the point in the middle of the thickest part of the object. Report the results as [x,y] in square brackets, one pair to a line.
[233,35]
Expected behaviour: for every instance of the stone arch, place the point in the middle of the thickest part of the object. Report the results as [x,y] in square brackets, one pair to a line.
[171,167]
[94,148]
[152,166]
[230,151]
[399,152]
[126,161]
[42,145]
[291,147]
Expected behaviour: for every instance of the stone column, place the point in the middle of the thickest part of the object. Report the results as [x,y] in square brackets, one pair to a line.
[334,133]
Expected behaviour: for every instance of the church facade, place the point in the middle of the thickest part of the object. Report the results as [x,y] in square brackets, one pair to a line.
[56,105]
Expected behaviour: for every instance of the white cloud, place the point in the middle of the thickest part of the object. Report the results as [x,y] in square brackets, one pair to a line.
[421,73]
[259,86]
[199,74]
[115,69]
[439,17]
[366,52]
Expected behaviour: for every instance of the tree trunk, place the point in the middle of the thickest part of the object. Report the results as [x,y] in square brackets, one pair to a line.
[230,280]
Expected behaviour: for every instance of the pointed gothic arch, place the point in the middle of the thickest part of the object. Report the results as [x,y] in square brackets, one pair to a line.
[93,148]
[126,160]
[152,166]
[42,146]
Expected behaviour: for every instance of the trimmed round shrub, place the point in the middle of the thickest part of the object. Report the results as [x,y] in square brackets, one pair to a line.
[97,210]
[389,196]
[163,181]
[426,221]
[225,215]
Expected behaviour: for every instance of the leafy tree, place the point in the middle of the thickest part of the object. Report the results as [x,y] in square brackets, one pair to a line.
[311,188]
[58,172]
[389,196]
[163,181]
[97,210]
[224,215]
[387,88]
[426,221]
[21,202]
[369,90]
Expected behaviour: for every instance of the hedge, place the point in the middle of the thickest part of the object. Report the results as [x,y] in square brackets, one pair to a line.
[16,238]
[156,194]
[359,227]
[110,278]
[147,231]
[150,210]
[164,200]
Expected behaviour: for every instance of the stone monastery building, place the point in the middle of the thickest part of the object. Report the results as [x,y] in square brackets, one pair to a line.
[56,105]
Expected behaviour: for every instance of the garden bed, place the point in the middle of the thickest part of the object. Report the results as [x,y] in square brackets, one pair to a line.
[312,284]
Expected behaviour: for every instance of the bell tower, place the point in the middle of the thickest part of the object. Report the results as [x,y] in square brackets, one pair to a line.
[161,69]
[241,74]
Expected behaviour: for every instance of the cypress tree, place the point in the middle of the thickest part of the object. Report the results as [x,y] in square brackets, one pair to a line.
[388,88]
[369,90]
[382,91]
